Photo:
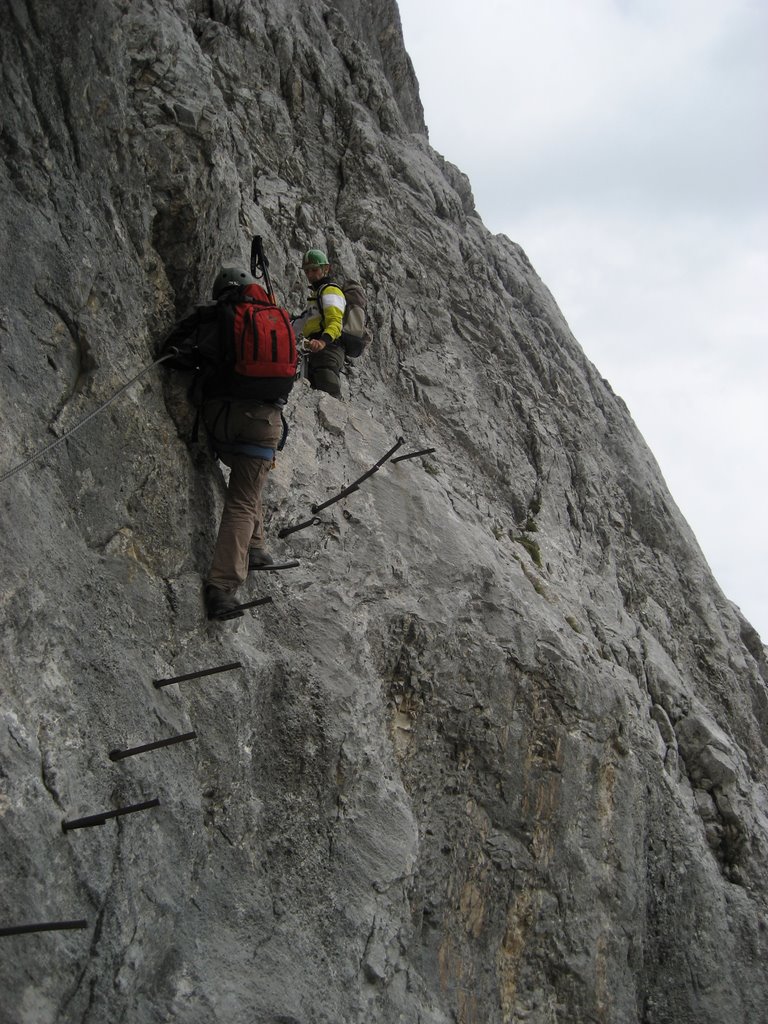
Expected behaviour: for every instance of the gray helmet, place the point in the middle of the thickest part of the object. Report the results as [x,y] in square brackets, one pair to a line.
[231,277]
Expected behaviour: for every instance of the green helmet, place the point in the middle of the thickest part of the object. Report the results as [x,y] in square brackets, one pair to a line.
[231,277]
[314,258]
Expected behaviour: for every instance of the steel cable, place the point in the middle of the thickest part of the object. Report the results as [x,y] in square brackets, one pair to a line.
[82,423]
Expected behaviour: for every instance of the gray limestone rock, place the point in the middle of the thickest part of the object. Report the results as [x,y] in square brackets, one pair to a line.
[496,751]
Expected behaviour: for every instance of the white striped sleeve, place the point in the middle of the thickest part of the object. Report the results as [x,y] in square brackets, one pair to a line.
[334,300]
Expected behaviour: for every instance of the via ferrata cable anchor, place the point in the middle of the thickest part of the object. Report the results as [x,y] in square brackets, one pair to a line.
[288,530]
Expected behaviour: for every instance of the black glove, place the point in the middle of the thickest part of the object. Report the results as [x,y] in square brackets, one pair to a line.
[181,359]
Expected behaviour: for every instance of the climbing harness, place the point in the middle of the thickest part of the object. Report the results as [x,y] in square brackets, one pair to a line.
[254,451]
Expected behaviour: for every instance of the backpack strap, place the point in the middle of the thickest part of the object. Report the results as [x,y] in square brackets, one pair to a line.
[319,298]
[284,435]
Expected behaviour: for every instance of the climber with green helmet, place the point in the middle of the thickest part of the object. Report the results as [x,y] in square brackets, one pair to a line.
[320,325]
[240,391]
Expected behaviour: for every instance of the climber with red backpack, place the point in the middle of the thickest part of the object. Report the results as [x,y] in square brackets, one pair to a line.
[242,348]
[333,326]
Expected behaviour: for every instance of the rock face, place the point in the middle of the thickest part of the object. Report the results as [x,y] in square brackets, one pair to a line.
[496,752]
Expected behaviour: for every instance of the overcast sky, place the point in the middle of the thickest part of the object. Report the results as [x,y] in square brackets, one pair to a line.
[624,145]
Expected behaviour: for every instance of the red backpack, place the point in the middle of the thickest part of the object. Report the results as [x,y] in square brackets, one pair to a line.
[256,336]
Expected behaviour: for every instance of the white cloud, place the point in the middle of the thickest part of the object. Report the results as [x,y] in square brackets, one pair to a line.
[674,316]
[622,143]
[596,97]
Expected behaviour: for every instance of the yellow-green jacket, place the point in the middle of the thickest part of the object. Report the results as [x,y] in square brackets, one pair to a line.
[328,322]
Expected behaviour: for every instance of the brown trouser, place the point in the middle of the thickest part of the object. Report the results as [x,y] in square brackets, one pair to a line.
[242,521]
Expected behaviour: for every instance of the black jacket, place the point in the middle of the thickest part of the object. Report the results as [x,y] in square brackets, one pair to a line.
[200,343]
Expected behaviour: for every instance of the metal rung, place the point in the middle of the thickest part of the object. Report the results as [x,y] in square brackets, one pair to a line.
[48,926]
[99,819]
[158,683]
[118,755]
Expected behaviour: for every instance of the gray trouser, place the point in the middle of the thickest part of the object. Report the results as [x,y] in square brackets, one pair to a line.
[242,521]
[324,367]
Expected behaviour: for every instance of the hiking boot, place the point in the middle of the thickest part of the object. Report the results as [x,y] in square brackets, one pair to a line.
[218,602]
[258,558]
